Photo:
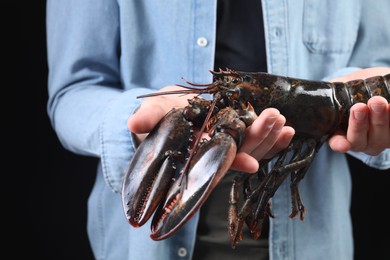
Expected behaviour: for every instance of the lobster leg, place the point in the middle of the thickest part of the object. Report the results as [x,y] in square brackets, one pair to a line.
[257,201]
[307,156]
[246,214]
[297,167]
[234,224]
[236,219]
[263,193]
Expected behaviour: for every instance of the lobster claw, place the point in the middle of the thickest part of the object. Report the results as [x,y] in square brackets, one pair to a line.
[208,166]
[152,168]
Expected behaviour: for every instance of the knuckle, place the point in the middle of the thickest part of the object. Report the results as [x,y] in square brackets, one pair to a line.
[359,147]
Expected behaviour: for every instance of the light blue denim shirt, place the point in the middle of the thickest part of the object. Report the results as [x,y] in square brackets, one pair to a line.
[104,53]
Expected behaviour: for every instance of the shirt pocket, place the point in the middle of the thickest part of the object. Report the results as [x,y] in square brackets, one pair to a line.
[330,26]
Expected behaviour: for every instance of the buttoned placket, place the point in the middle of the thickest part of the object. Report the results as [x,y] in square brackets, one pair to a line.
[275,22]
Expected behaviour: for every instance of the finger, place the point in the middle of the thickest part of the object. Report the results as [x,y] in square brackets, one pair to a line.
[259,130]
[378,135]
[358,126]
[339,143]
[146,117]
[363,74]
[245,163]
[154,108]
[269,141]
[281,143]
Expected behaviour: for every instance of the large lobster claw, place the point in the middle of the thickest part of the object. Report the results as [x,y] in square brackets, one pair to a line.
[206,169]
[151,182]
[152,168]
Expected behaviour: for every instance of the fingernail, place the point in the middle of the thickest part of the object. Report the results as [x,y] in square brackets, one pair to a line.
[271,121]
[278,126]
[359,115]
[377,108]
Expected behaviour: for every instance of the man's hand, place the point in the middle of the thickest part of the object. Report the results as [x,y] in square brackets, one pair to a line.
[369,124]
[153,109]
[263,139]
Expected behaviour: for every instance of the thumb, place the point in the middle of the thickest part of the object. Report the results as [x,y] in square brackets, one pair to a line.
[146,117]
[154,108]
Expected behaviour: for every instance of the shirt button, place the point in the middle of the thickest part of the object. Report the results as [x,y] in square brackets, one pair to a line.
[202,42]
[278,32]
[182,252]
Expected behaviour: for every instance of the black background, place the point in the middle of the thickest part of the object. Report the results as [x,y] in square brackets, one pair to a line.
[45,188]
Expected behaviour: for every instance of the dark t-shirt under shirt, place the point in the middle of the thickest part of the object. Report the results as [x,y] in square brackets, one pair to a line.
[240,46]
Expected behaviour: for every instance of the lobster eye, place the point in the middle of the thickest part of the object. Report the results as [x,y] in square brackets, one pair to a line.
[235,80]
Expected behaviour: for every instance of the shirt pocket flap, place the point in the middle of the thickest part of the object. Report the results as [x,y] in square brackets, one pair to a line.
[330,26]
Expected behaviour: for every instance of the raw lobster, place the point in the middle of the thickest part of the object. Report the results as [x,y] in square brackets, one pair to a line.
[174,170]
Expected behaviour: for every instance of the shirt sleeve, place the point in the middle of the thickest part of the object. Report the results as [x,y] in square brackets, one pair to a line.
[87,104]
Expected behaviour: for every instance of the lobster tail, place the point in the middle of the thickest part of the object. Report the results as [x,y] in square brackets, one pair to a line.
[359,91]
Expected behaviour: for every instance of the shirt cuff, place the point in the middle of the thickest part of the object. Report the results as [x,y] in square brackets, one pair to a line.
[117,144]
[341,72]
[380,161]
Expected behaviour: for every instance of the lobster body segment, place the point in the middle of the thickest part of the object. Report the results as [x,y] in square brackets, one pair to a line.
[174,171]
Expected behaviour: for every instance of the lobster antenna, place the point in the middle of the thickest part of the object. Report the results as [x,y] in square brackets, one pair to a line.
[195,84]
[192,89]
[173,92]
[184,170]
